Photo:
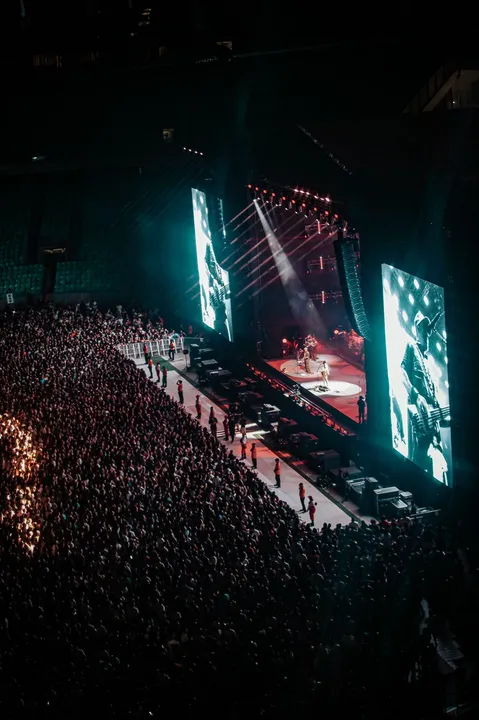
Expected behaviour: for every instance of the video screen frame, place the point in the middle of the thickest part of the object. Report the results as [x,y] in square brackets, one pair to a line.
[417,371]
[214,283]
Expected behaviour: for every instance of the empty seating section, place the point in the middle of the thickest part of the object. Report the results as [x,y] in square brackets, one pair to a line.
[97,270]
[21,279]
[15,275]
[85,276]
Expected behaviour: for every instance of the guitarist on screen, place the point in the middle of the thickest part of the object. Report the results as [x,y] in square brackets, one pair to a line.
[425,414]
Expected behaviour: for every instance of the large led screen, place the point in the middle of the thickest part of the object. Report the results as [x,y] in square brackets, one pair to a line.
[214,281]
[416,349]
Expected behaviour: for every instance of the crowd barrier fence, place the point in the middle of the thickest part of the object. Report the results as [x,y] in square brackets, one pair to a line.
[135,351]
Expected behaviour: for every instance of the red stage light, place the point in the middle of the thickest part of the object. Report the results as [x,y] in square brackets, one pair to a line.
[283,198]
[303,205]
[250,186]
[326,212]
[273,194]
[285,341]
[315,209]
[336,217]
[256,188]
[265,191]
[294,202]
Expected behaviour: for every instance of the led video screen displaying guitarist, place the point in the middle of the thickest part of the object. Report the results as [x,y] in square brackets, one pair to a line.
[215,295]
[416,349]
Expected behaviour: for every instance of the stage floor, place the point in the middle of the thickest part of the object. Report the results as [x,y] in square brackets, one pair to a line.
[346,382]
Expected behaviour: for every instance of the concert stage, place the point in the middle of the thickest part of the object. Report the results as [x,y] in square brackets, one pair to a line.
[346,382]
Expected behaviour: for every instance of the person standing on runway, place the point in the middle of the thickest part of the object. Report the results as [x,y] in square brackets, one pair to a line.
[212,415]
[226,427]
[277,473]
[164,375]
[145,353]
[243,447]
[158,371]
[232,426]
[213,425]
[311,510]
[150,366]
[302,496]
[171,350]
[198,407]
[254,456]
[181,397]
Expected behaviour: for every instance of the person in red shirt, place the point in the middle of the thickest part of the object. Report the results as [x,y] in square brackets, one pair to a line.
[181,397]
[145,353]
[150,366]
[164,373]
[171,351]
[311,510]
[302,496]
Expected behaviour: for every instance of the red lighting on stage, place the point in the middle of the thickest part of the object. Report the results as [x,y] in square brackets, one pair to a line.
[294,202]
[326,212]
[323,296]
[285,341]
[336,217]
[273,194]
[265,191]
[315,209]
[256,188]
[321,264]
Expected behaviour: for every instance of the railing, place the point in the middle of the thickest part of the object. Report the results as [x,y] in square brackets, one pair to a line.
[134,351]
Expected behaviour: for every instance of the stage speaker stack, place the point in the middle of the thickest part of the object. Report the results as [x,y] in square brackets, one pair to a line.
[309,443]
[407,498]
[220,376]
[383,495]
[302,444]
[195,356]
[270,413]
[205,354]
[287,427]
[368,499]
[354,490]
[325,460]
[341,475]
[251,404]
[205,367]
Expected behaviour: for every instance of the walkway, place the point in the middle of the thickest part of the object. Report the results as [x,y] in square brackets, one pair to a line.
[326,511]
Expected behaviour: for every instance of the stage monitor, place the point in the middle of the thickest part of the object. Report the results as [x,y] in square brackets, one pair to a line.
[416,350]
[213,280]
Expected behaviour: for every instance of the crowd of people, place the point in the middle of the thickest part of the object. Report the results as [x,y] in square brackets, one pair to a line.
[145,569]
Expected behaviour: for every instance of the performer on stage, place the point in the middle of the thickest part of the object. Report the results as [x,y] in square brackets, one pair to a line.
[324,370]
[307,363]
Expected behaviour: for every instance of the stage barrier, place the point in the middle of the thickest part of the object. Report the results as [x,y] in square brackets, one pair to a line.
[134,351]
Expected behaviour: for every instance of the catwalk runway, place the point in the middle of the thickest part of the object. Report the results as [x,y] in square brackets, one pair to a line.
[346,382]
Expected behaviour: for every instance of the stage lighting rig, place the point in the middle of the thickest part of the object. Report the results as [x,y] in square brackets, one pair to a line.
[299,201]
